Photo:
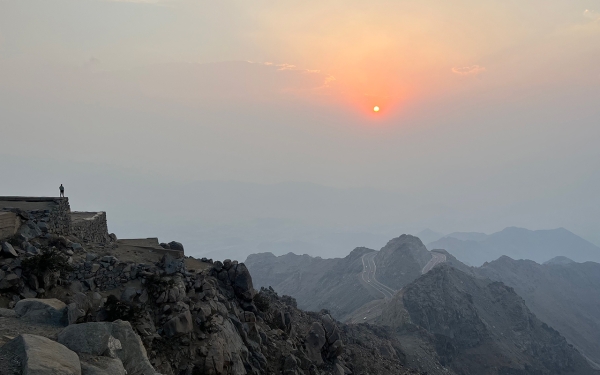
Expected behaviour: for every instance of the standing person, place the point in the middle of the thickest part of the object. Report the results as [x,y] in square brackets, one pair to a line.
[62,190]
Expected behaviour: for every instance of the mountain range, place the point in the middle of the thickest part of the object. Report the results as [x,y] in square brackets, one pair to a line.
[518,243]
[506,317]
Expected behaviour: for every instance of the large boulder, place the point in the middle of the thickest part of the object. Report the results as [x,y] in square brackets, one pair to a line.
[174,245]
[90,338]
[49,311]
[242,281]
[315,340]
[100,338]
[37,355]
[179,325]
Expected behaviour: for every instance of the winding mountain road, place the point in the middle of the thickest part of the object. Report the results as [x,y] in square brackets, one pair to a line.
[437,259]
[370,311]
[368,276]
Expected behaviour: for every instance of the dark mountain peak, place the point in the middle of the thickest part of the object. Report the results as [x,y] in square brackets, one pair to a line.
[260,257]
[482,325]
[401,261]
[358,252]
[404,242]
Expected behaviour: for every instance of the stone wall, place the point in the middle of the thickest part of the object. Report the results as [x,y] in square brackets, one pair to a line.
[90,226]
[54,214]
[9,224]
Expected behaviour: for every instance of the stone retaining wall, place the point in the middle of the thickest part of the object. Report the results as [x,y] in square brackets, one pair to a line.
[55,213]
[90,226]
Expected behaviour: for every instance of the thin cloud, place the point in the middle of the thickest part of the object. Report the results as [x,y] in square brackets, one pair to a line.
[472,70]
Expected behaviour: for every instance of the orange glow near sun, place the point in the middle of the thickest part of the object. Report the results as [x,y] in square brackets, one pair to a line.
[376,109]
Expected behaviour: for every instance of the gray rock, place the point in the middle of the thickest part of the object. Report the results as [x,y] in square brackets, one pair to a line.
[9,281]
[101,339]
[315,340]
[50,311]
[76,246]
[30,248]
[290,365]
[89,257]
[8,250]
[38,355]
[90,338]
[29,230]
[74,313]
[43,227]
[174,245]
[172,265]
[28,293]
[128,294]
[7,313]
[242,282]
[93,365]
[144,296]
[179,325]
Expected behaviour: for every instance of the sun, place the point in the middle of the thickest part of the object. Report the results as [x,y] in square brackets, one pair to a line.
[376,109]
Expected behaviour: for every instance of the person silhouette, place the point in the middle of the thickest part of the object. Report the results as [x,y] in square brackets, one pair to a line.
[62,190]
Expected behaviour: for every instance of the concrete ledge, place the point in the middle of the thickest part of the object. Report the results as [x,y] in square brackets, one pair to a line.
[31,199]
[149,245]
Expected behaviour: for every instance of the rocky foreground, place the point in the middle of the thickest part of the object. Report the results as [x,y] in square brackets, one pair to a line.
[76,308]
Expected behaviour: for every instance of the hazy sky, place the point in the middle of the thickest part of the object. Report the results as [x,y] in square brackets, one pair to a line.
[490,110]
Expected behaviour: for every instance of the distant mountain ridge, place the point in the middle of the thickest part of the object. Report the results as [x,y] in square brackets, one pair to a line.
[335,284]
[566,295]
[316,283]
[517,243]
[478,326]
